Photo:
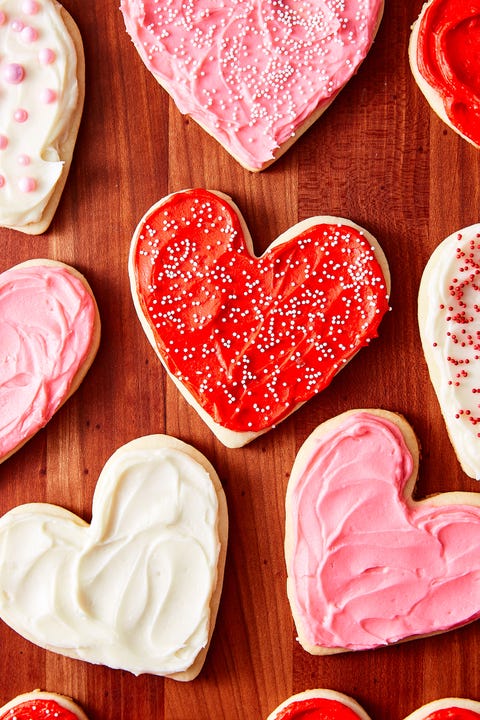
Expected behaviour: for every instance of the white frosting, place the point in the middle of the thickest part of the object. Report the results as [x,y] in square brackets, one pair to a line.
[449,318]
[133,589]
[35,42]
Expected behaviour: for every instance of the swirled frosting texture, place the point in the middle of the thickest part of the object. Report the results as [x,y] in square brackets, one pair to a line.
[448,59]
[368,565]
[132,590]
[449,320]
[252,72]
[47,321]
[38,95]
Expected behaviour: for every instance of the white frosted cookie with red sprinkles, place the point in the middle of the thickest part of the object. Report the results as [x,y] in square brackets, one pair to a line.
[41,705]
[42,86]
[449,320]
[255,75]
[248,339]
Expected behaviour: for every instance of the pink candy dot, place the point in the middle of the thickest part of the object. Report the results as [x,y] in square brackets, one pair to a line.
[13,73]
[29,34]
[20,115]
[46,56]
[3,142]
[30,7]
[17,25]
[48,96]
[3,18]
[27,184]
[2,181]
[23,160]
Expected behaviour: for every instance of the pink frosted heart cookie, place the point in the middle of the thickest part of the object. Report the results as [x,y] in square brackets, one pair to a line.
[323,704]
[255,75]
[49,336]
[248,340]
[38,705]
[139,587]
[367,565]
[449,321]
[42,88]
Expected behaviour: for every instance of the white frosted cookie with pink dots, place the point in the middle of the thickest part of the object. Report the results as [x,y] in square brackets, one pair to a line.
[255,74]
[449,319]
[42,87]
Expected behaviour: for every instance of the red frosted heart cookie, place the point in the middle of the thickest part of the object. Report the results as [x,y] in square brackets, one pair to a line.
[444,56]
[367,565]
[49,336]
[319,704]
[254,74]
[38,705]
[331,705]
[248,340]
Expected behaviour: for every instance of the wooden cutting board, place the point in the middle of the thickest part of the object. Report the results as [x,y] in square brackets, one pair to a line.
[378,156]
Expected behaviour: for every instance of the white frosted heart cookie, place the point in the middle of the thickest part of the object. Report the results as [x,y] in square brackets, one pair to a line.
[367,565]
[449,321]
[138,588]
[42,84]
[49,336]
[255,75]
[38,705]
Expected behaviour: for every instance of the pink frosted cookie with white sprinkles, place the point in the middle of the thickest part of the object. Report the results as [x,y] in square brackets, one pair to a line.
[42,86]
[449,320]
[248,339]
[254,74]
[41,705]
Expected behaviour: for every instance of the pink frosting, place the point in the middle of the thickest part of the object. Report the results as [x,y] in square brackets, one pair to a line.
[252,72]
[46,329]
[369,566]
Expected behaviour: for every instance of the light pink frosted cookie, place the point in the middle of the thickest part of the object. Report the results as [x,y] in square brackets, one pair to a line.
[255,75]
[367,565]
[42,87]
[49,336]
[39,705]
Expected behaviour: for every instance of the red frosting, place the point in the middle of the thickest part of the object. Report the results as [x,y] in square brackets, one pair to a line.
[448,57]
[316,708]
[251,338]
[39,710]
[453,713]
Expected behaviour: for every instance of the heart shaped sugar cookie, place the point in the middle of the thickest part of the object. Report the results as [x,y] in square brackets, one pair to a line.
[332,705]
[445,62]
[38,705]
[42,88]
[367,565]
[449,321]
[247,340]
[254,74]
[49,336]
[138,588]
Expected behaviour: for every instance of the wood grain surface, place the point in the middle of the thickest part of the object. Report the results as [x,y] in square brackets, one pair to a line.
[379,157]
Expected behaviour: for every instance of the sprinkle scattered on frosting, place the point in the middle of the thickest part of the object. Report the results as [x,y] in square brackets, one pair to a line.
[252,72]
[251,338]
